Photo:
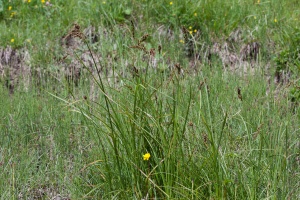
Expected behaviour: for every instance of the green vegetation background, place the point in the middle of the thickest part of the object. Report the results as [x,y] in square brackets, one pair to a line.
[212,133]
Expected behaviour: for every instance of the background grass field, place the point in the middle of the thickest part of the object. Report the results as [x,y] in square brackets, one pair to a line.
[209,88]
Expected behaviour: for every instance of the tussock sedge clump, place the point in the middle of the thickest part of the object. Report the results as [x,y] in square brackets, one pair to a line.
[171,136]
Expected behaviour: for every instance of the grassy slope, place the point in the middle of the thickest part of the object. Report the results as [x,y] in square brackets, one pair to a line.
[253,155]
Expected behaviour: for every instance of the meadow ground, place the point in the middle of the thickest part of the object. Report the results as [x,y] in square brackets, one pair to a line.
[149,99]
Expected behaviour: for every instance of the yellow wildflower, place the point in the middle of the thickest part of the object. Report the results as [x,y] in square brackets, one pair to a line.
[28,1]
[12,14]
[104,2]
[43,1]
[190,27]
[191,32]
[195,14]
[146,156]
[195,31]
[12,40]
[275,20]
[9,8]
[258,1]
[181,41]
[171,3]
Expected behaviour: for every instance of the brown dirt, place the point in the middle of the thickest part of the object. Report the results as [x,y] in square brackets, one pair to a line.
[14,65]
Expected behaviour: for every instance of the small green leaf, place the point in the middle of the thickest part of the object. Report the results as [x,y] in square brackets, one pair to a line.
[127,11]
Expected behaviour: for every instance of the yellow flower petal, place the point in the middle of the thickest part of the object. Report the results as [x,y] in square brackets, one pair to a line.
[146,156]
